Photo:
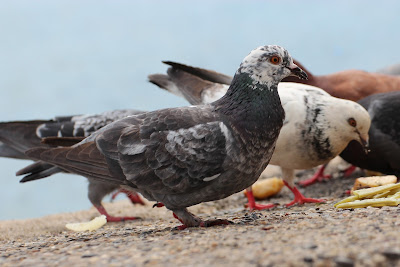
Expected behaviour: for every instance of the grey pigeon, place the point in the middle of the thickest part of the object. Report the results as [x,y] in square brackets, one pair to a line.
[184,156]
[384,154]
[18,136]
[317,126]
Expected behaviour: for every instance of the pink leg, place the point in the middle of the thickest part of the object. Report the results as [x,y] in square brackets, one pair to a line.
[349,171]
[299,198]
[318,176]
[109,218]
[207,223]
[252,205]
[134,197]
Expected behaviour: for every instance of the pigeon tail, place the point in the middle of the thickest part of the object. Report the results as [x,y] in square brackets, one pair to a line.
[18,136]
[196,85]
[208,75]
[61,141]
[36,171]
[94,168]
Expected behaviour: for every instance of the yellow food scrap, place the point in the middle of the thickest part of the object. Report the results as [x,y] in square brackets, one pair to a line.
[267,188]
[370,192]
[94,224]
[348,199]
[374,181]
[376,202]
[396,196]
[385,195]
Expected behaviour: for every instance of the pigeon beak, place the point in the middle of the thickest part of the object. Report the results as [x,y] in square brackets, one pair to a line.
[296,71]
[364,142]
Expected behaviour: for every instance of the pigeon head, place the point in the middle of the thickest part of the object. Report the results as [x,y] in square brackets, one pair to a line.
[269,65]
[352,122]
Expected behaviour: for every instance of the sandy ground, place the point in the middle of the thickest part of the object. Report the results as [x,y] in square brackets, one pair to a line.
[308,235]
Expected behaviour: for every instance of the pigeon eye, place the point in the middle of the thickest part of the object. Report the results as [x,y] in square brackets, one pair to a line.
[275,60]
[352,122]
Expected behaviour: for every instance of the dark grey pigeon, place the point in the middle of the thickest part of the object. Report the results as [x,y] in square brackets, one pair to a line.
[384,136]
[184,156]
[18,136]
[317,126]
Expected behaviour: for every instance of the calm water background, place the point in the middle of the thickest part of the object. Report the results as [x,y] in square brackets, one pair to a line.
[74,57]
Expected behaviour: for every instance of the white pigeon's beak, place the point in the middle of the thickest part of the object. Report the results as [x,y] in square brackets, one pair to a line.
[296,71]
[364,142]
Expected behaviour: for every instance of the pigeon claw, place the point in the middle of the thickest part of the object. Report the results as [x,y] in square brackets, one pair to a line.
[110,218]
[208,223]
[319,176]
[252,205]
[300,198]
[304,200]
[256,206]
[349,171]
[134,197]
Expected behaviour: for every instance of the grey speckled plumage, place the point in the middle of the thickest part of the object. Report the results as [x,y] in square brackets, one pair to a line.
[315,130]
[17,137]
[185,156]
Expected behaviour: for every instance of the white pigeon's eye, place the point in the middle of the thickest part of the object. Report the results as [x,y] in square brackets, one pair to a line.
[352,122]
[275,60]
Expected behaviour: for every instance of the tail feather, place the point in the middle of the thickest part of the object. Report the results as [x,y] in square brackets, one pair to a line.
[164,82]
[19,136]
[85,160]
[198,86]
[9,152]
[38,172]
[61,141]
[208,75]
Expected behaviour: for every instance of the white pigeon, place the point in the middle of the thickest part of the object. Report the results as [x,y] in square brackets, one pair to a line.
[316,129]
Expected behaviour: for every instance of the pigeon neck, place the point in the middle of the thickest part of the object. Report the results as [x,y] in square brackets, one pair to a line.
[248,102]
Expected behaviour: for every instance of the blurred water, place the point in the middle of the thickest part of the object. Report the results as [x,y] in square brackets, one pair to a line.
[71,57]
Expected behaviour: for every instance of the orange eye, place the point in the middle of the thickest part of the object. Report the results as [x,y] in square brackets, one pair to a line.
[275,60]
[352,122]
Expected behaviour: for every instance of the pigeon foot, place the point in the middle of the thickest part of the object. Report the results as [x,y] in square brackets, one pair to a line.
[349,171]
[300,198]
[110,218]
[190,220]
[252,205]
[319,176]
[134,197]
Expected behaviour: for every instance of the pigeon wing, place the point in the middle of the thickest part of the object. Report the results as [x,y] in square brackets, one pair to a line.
[169,151]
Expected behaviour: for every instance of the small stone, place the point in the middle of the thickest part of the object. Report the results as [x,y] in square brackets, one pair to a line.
[308,259]
[392,254]
[344,262]
[88,255]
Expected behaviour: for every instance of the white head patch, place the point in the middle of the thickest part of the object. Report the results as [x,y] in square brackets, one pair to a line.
[260,68]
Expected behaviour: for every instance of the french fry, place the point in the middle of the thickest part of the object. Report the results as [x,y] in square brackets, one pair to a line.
[348,199]
[383,194]
[94,224]
[396,195]
[369,192]
[376,202]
